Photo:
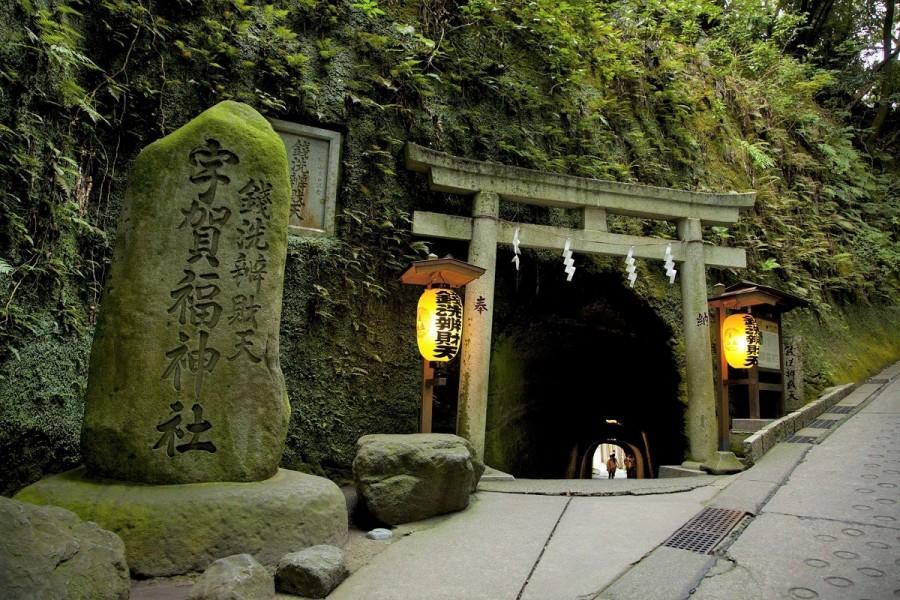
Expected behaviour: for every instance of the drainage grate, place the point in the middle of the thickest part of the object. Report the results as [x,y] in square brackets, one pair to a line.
[841,410]
[822,424]
[802,439]
[703,532]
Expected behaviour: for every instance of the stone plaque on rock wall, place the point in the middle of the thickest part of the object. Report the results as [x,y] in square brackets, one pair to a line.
[184,382]
[314,161]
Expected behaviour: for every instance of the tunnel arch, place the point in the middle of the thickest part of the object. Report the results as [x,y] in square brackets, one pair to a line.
[584,458]
[574,364]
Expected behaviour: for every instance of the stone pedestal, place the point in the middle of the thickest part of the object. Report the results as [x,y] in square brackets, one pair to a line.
[178,528]
[722,463]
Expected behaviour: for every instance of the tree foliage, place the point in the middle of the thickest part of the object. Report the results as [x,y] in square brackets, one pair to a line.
[691,94]
[860,41]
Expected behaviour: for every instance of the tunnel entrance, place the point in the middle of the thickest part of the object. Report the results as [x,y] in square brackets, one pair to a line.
[606,455]
[575,365]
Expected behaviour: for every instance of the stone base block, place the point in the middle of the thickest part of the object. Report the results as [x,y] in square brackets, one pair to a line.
[723,463]
[492,474]
[666,471]
[175,529]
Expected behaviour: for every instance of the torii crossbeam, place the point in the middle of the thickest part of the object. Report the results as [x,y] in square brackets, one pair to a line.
[489,182]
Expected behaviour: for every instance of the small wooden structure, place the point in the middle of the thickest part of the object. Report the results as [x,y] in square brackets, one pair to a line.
[757,392]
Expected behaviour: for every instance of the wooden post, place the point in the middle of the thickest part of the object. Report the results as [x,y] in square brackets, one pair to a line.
[478,314]
[650,471]
[724,405]
[780,408]
[427,397]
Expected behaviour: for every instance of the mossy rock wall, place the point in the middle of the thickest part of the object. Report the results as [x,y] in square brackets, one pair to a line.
[845,345]
[41,405]
[339,391]
[350,370]
[686,95]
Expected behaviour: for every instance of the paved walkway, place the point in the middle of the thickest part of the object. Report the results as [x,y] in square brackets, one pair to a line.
[833,529]
[524,545]
[823,521]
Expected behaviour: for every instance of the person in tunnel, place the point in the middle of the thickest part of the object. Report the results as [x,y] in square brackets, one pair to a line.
[630,471]
[611,465]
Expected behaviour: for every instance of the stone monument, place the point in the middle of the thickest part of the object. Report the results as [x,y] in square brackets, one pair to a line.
[187,336]
[184,384]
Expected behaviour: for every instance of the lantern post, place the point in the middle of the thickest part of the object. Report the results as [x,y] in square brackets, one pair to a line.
[439,318]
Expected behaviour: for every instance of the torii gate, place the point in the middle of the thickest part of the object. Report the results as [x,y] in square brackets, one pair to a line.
[489,182]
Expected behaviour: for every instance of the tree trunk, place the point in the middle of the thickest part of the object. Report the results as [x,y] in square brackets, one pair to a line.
[884,101]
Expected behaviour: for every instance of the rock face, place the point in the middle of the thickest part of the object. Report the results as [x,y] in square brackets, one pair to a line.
[173,529]
[237,577]
[311,573]
[404,478]
[49,553]
[184,382]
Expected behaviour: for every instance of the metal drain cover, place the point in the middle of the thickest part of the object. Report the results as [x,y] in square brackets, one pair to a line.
[704,531]
[822,424]
[841,410]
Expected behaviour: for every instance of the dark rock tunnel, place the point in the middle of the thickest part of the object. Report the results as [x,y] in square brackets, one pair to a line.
[574,364]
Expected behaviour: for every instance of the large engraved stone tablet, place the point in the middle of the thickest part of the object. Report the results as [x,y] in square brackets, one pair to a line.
[184,382]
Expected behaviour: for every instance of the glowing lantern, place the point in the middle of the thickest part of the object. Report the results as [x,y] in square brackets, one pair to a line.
[439,324]
[741,340]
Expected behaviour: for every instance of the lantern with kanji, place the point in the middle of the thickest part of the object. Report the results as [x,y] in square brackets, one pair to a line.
[439,324]
[741,340]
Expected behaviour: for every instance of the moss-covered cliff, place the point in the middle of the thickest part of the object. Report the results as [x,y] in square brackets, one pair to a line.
[681,94]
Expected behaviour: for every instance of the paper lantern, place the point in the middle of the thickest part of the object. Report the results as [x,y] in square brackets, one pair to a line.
[439,324]
[740,341]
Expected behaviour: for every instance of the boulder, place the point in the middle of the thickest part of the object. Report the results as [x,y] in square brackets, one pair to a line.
[403,478]
[49,553]
[237,577]
[175,529]
[311,573]
[184,383]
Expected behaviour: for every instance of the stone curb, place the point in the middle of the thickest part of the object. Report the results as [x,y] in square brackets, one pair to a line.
[756,445]
[766,438]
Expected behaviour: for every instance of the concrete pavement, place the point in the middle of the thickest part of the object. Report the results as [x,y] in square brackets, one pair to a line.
[533,546]
[833,529]
[823,521]
[819,520]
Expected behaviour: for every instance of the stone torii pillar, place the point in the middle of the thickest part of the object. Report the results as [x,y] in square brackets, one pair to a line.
[701,422]
[478,312]
[487,183]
